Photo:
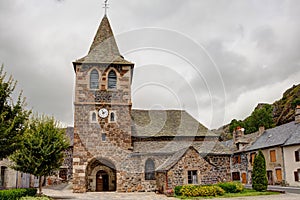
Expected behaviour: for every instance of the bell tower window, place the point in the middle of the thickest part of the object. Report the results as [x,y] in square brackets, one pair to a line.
[112,80]
[94,79]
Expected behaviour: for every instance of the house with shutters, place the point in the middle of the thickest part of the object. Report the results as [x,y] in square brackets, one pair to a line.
[280,146]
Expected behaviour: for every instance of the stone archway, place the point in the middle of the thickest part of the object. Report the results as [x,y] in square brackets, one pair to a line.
[101,175]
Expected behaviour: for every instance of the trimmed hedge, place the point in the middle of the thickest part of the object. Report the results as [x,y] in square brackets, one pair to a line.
[204,191]
[15,194]
[177,190]
[231,187]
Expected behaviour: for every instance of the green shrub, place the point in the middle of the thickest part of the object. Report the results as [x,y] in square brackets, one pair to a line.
[15,194]
[231,187]
[198,190]
[259,173]
[177,190]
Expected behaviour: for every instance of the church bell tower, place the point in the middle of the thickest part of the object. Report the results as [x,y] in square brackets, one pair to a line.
[102,104]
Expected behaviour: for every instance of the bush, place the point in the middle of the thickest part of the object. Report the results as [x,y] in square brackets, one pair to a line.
[15,194]
[204,191]
[231,187]
[177,190]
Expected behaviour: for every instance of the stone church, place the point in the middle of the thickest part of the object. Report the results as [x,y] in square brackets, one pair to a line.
[117,148]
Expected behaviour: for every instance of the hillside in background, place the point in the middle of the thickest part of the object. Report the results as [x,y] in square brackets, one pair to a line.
[283,111]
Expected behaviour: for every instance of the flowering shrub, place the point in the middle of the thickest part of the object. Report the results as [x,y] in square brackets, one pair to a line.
[170,192]
[198,190]
[231,187]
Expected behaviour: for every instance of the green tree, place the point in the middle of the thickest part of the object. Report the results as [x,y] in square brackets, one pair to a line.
[13,116]
[259,173]
[42,149]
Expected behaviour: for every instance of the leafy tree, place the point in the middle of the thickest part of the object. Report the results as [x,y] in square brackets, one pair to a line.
[42,149]
[13,116]
[259,117]
[259,173]
[295,103]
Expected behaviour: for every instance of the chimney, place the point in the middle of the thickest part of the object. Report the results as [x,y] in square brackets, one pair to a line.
[261,130]
[237,134]
[297,114]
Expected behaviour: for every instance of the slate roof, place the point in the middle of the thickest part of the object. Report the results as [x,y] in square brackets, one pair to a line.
[70,135]
[278,136]
[172,147]
[169,163]
[295,137]
[168,123]
[104,48]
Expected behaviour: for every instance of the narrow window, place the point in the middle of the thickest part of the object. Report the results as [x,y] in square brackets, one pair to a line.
[192,177]
[2,175]
[94,117]
[94,79]
[252,157]
[272,156]
[297,158]
[112,116]
[149,170]
[112,80]
[103,136]
[296,175]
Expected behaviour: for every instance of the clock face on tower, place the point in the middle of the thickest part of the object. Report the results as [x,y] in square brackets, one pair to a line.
[103,112]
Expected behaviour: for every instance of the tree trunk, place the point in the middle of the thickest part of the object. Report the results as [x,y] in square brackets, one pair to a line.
[40,185]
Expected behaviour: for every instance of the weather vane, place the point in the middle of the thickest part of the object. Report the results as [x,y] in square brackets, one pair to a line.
[105,6]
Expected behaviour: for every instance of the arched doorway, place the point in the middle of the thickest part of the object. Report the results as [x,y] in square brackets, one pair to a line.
[101,175]
[102,181]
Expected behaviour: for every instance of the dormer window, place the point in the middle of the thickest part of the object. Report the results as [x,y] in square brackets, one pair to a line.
[112,80]
[94,79]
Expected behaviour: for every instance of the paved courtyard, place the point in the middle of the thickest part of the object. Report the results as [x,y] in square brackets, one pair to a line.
[64,192]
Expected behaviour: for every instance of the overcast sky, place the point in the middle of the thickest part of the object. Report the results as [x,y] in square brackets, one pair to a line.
[215,58]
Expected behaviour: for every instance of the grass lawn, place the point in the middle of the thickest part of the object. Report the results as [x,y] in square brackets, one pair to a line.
[244,193]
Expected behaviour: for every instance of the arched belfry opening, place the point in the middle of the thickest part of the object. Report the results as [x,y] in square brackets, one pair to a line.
[101,175]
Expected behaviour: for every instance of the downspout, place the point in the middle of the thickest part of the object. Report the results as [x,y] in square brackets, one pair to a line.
[17,177]
[166,181]
[231,167]
[283,165]
[247,163]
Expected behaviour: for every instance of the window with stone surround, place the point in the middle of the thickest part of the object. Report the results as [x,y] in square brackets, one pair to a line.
[112,80]
[112,116]
[103,137]
[93,116]
[149,170]
[237,159]
[192,177]
[94,79]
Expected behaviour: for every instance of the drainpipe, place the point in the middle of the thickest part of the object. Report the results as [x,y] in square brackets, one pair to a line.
[231,167]
[17,177]
[283,166]
[166,180]
[247,163]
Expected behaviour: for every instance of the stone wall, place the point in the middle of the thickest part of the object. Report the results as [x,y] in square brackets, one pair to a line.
[207,173]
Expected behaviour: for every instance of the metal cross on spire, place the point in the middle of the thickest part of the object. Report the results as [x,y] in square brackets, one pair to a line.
[105,6]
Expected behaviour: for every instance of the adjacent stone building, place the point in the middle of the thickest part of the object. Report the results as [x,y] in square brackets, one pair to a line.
[117,148]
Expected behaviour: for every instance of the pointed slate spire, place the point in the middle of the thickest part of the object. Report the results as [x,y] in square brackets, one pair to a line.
[104,48]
